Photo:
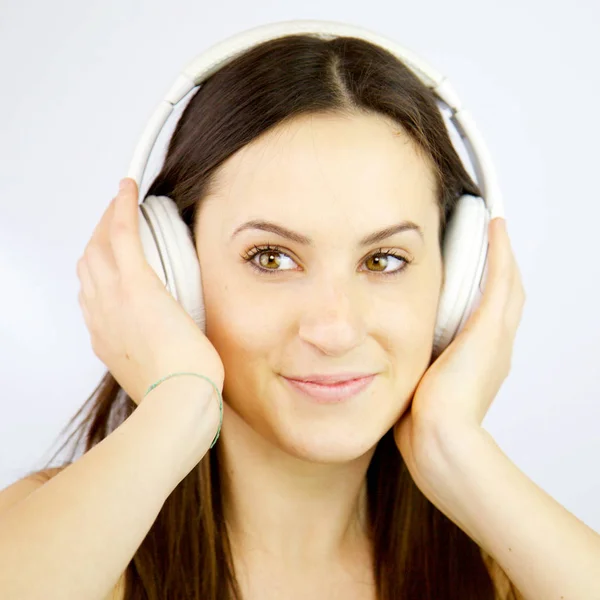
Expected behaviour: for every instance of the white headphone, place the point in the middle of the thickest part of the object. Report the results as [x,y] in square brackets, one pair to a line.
[167,241]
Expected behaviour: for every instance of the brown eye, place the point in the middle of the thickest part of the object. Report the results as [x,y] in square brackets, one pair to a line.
[266,258]
[381,260]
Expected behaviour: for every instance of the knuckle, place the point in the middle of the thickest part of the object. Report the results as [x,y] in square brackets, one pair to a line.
[91,252]
[119,228]
[97,346]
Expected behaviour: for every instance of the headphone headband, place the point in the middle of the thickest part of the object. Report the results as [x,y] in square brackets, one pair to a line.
[206,64]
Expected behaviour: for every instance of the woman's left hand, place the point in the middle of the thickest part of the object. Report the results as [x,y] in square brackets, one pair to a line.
[457,389]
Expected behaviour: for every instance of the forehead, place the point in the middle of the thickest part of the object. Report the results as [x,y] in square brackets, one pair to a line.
[360,170]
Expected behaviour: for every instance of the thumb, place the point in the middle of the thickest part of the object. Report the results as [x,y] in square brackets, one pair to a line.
[124,229]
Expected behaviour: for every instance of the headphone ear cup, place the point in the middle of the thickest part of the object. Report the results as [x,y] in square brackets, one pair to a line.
[169,250]
[465,265]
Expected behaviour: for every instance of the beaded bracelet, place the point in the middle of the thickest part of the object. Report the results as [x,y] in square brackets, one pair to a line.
[203,377]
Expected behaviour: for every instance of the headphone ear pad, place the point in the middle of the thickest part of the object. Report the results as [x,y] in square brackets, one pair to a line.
[465,266]
[169,250]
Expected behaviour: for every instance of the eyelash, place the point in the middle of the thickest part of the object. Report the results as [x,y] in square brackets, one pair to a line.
[256,250]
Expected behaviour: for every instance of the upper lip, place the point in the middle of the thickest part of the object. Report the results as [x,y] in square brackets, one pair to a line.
[332,378]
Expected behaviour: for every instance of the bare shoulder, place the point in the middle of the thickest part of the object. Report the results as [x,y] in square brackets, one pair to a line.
[21,488]
[504,589]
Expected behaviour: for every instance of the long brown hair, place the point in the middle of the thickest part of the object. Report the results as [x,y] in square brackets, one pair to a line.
[419,554]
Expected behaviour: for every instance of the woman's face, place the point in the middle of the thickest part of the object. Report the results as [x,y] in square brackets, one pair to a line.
[327,306]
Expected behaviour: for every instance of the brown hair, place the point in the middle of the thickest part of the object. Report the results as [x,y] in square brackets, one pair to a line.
[418,552]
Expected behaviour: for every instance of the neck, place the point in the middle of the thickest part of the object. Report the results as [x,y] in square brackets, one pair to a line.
[285,509]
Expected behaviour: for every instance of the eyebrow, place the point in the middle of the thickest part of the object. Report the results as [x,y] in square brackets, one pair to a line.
[372,238]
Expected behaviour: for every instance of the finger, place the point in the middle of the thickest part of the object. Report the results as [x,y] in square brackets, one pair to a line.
[99,253]
[84,309]
[101,227]
[501,271]
[516,301]
[124,230]
[505,293]
[102,268]
[88,288]
[519,296]
[101,236]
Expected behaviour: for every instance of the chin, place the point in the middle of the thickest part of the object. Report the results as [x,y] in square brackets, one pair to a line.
[338,433]
[338,445]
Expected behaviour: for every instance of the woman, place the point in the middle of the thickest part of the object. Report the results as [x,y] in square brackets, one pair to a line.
[393,493]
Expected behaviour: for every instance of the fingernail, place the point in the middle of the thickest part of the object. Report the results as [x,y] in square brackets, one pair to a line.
[123,184]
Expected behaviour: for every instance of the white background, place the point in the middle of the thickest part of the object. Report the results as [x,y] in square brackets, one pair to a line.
[79,80]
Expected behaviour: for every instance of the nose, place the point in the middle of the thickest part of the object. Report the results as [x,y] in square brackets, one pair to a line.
[334,318]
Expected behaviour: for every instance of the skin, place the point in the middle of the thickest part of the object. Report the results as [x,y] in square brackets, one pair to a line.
[294,472]
[327,308]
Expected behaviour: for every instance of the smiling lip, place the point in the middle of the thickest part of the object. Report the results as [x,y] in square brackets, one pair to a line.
[329,393]
[333,378]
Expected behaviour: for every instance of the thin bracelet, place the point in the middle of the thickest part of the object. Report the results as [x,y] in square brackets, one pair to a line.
[209,381]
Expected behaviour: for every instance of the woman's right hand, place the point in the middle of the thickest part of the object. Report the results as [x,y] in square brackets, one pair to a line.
[138,330]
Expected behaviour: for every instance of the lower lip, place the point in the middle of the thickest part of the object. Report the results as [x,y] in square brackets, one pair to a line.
[328,394]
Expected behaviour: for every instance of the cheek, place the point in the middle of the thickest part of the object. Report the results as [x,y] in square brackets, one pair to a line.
[418,322]
[242,330]
[412,307]
[410,330]
[408,340]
